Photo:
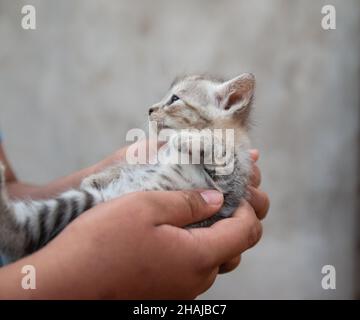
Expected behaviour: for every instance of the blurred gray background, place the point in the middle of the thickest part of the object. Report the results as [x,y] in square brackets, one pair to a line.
[71,89]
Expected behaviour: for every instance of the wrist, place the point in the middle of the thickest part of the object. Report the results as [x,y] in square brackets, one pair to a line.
[63,269]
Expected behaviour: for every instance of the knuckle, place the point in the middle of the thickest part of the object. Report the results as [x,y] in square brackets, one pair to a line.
[255,233]
[247,211]
[205,262]
[230,265]
[191,202]
[209,281]
[256,176]
[260,202]
[266,203]
[258,172]
[202,281]
[201,260]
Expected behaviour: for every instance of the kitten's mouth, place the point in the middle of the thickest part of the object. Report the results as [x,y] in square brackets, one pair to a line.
[164,127]
[160,125]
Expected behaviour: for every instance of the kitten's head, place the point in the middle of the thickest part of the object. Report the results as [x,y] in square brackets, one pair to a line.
[199,102]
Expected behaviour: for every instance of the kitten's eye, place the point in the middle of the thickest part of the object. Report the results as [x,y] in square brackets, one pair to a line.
[173,99]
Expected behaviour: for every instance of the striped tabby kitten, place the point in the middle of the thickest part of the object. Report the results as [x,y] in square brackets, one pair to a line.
[194,102]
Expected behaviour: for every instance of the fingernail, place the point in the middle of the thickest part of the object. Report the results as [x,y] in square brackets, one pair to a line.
[255,154]
[212,197]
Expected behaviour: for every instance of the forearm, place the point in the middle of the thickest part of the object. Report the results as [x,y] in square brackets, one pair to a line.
[8,276]
[18,189]
[56,273]
[10,281]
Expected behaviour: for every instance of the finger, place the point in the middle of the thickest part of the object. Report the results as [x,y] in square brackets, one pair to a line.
[230,265]
[259,200]
[255,179]
[229,237]
[180,208]
[254,154]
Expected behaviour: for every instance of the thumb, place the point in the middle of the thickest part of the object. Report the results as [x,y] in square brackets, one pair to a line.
[180,208]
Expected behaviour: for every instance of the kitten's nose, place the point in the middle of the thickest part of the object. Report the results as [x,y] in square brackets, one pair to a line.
[151,110]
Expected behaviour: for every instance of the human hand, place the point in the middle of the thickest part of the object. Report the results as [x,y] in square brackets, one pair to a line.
[135,247]
[259,200]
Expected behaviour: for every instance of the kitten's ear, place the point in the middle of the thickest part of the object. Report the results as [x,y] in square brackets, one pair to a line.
[236,93]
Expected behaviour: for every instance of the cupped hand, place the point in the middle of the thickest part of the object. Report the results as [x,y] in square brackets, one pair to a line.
[135,247]
[258,199]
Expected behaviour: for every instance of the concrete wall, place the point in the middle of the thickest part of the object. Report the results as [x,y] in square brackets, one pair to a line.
[70,90]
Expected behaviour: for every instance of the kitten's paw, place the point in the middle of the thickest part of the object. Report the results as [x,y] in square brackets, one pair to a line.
[190,142]
[176,142]
[96,181]
[102,179]
[89,183]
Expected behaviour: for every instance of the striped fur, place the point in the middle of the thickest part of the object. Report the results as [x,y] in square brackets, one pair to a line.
[26,226]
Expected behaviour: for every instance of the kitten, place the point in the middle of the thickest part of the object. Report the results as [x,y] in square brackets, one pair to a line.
[193,102]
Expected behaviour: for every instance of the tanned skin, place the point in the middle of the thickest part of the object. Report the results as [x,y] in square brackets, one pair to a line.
[126,245]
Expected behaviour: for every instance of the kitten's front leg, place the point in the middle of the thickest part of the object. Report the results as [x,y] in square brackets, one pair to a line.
[196,145]
[205,148]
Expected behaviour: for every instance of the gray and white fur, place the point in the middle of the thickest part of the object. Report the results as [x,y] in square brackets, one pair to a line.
[193,102]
